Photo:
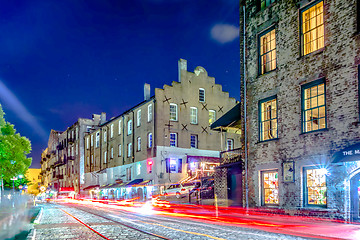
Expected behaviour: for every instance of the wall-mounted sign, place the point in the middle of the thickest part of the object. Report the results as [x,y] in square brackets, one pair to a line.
[348,154]
[288,171]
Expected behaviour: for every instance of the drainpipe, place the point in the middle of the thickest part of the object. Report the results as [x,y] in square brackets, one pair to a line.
[123,139]
[245,115]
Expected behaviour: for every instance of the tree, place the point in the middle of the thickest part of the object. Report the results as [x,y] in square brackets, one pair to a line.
[13,151]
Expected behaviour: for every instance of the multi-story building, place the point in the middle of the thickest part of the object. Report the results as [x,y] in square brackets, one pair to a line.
[164,139]
[63,160]
[302,78]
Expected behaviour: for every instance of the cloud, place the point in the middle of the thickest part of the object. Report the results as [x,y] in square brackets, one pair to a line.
[224,33]
[8,97]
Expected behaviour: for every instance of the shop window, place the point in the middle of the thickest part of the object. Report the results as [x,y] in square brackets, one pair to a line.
[173,112]
[173,165]
[173,139]
[270,188]
[193,141]
[193,115]
[312,27]
[212,116]
[314,109]
[201,95]
[268,119]
[315,186]
[267,51]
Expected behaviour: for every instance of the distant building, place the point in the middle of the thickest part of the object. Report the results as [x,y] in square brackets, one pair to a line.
[162,140]
[302,76]
[33,175]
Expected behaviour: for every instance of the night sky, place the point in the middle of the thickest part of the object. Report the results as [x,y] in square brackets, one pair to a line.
[61,60]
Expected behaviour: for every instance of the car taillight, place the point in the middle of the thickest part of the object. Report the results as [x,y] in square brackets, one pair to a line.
[183,189]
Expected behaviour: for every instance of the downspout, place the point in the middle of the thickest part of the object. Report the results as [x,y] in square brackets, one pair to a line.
[245,115]
[123,140]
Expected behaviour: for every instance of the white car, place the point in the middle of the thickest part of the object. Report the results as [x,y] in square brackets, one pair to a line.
[179,189]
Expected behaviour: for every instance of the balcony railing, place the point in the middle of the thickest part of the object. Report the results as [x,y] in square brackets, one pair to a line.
[230,156]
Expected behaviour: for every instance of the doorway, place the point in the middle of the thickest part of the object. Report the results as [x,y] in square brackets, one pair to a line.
[354,198]
[234,183]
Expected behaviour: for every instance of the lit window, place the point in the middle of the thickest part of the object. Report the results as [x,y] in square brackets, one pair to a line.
[212,116]
[139,144]
[97,139]
[149,112]
[119,149]
[229,144]
[112,153]
[201,95]
[149,140]
[193,115]
[120,124]
[268,119]
[105,136]
[138,122]
[270,184]
[315,186]
[105,157]
[173,165]
[173,112]
[267,52]
[111,130]
[312,29]
[173,139]
[314,110]
[129,149]
[265,3]
[193,141]
[129,127]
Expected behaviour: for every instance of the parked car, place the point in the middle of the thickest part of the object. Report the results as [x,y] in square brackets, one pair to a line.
[203,190]
[179,189]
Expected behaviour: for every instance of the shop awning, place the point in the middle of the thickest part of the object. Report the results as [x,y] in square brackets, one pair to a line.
[133,182]
[230,165]
[143,183]
[348,154]
[230,121]
[90,187]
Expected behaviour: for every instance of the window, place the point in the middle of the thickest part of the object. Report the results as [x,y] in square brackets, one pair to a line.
[138,122]
[128,174]
[105,136]
[201,95]
[173,112]
[92,140]
[312,28]
[173,139]
[315,186]
[87,161]
[111,130]
[268,119]
[267,51]
[265,3]
[149,112]
[313,103]
[138,168]
[173,165]
[270,187]
[105,157]
[120,124]
[139,144]
[129,127]
[129,149]
[193,141]
[150,140]
[112,153]
[87,142]
[212,116]
[97,139]
[193,115]
[229,144]
[92,159]
[119,150]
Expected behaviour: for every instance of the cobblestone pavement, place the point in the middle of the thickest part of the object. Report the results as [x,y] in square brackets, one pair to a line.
[56,224]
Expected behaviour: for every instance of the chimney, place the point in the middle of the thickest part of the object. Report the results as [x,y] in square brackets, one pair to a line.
[146,91]
[103,118]
[182,66]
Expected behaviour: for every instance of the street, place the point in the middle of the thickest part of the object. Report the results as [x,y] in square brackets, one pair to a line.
[95,220]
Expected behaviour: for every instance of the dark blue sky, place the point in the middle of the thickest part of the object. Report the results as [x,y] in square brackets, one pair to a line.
[61,60]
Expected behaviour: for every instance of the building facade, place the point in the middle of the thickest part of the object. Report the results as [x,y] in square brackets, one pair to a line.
[302,82]
[162,140]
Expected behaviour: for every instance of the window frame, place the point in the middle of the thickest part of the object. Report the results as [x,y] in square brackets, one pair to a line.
[307,7]
[111,153]
[202,89]
[213,111]
[97,139]
[305,189]
[260,119]
[119,150]
[303,88]
[261,34]
[129,127]
[191,115]
[120,126]
[263,187]
[196,141]
[105,157]
[176,112]
[259,5]
[112,130]
[129,150]
[149,112]
[138,141]
[105,135]
[176,139]
[232,144]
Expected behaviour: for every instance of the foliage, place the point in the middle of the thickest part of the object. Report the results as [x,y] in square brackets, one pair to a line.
[13,151]
[9,183]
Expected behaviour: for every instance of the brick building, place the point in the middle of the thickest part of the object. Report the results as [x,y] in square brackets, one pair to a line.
[302,73]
